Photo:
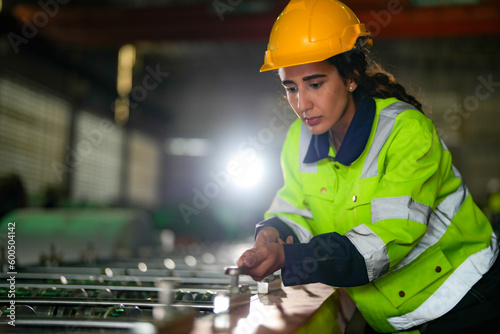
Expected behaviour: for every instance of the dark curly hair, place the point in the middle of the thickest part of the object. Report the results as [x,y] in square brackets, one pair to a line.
[371,78]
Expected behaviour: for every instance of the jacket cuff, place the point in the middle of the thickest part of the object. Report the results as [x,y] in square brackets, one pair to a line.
[328,258]
[283,229]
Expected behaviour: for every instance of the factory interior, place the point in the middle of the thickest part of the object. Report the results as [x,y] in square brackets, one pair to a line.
[139,141]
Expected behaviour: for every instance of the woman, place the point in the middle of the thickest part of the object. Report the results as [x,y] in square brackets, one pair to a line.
[371,201]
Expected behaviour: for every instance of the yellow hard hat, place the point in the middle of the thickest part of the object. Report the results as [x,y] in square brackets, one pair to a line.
[309,31]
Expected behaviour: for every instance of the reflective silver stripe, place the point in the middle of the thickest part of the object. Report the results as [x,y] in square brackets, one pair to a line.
[372,248]
[281,205]
[456,173]
[452,290]
[305,140]
[384,129]
[462,279]
[302,233]
[439,221]
[393,110]
[399,208]
[444,145]
[453,202]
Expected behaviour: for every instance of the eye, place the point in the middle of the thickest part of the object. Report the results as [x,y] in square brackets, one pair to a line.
[290,89]
[315,85]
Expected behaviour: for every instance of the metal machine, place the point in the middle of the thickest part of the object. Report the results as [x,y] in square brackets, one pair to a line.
[123,287]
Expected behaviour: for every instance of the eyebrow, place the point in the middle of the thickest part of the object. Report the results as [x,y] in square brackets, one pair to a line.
[309,77]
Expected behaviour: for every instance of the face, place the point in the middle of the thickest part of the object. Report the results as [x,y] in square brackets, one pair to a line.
[319,96]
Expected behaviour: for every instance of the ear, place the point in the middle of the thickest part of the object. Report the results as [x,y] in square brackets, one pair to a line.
[351,85]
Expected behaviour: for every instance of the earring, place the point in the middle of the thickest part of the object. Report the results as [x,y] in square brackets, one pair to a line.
[350,88]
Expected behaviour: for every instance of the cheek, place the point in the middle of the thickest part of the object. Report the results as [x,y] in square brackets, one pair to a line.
[293,103]
[337,99]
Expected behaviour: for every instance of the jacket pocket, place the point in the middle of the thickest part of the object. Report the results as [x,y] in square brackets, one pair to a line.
[358,200]
[401,285]
[360,193]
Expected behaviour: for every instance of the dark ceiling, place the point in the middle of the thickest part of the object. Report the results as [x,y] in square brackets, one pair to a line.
[212,50]
[114,22]
[204,36]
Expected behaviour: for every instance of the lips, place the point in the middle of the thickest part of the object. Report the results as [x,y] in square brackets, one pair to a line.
[312,121]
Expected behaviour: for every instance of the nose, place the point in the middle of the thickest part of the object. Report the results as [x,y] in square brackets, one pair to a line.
[303,103]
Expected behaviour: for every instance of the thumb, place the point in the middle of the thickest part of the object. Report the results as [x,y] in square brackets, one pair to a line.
[289,240]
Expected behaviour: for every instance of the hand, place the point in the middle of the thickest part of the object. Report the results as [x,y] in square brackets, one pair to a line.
[263,261]
[269,235]
[267,256]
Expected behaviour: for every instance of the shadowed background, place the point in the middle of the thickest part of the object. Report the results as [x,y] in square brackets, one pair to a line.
[194,121]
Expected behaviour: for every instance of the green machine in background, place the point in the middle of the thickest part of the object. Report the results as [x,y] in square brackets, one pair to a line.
[77,235]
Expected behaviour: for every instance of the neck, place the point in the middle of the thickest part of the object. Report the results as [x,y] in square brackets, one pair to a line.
[336,139]
[339,130]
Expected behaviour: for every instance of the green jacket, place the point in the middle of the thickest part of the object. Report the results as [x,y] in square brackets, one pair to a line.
[400,205]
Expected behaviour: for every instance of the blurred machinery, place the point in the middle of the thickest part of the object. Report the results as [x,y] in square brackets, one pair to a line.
[121,283]
[78,235]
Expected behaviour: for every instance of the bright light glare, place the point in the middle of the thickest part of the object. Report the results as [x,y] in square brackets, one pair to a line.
[142,267]
[195,147]
[221,303]
[178,146]
[247,171]
[126,61]
[208,258]
[143,328]
[190,260]
[108,272]
[169,263]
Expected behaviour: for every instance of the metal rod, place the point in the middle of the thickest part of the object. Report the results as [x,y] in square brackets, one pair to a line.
[192,280]
[79,323]
[112,302]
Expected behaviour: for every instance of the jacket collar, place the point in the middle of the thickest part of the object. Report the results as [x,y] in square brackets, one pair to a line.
[355,138]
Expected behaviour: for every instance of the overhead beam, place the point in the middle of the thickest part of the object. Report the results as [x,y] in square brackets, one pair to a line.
[434,21]
[116,26]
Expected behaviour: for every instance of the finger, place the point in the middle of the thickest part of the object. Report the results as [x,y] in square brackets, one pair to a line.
[264,264]
[266,235]
[258,278]
[245,255]
[269,236]
[289,240]
[255,257]
[258,273]
[260,240]
[250,261]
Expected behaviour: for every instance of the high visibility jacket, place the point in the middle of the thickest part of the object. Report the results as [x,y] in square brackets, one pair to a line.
[399,211]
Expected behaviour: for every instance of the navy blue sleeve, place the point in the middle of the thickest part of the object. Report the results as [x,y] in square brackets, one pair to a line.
[283,229]
[328,258]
